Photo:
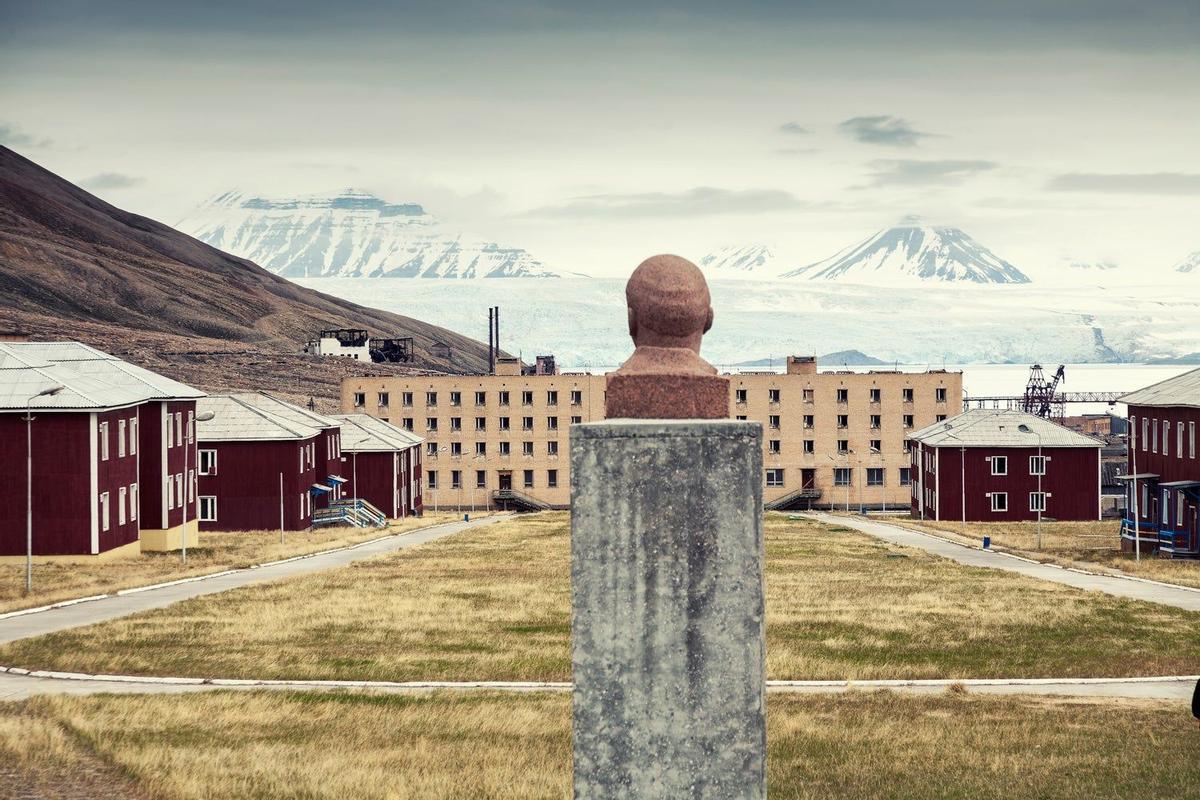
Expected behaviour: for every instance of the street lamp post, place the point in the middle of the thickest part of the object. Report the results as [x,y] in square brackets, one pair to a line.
[1041,469]
[49,392]
[189,439]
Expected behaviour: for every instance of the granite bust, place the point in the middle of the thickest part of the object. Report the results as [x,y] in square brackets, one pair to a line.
[670,310]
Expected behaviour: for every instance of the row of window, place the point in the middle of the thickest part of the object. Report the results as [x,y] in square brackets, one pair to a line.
[875,395]
[432,450]
[998,464]
[844,476]
[774,422]
[808,446]
[126,438]
[127,506]
[481,423]
[481,479]
[383,399]
[1150,437]
[997,500]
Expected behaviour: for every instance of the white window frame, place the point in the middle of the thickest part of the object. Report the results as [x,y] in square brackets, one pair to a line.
[170,432]
[1154,436]
[1145,433]
[170,493]
[1179,440]
[191,485]
[1164,502]
[133,436]
[994,496]
[200,458]
[203,501]
[178,428]
[133,502]
[121,494]
[191,427]
[999,459]
[1033,506]
[774,477]
[1166,437]
[105,518]
[1033,460]
[1191,440]
[104,442]
[120,438]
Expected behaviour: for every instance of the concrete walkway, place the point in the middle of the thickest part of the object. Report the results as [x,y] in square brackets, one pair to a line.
[1136,588]
[20,685]
[114,606]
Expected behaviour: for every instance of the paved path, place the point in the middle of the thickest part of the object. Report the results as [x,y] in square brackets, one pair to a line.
[1136,588]
[91,612]
[21,686]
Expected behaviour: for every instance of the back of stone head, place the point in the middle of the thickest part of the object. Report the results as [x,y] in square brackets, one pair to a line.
[669,303]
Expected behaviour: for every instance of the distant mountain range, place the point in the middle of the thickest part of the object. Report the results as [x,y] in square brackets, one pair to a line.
[910,254]
[735,261]
[1189,264]
[351,234]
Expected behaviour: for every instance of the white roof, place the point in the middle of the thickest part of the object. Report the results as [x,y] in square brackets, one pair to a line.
[253,416]
[983,427]
[22,376]
[87,360]
[1182,390]
[362,433]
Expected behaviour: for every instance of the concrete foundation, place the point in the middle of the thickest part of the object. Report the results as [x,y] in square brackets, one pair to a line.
[158,540]
[667,609]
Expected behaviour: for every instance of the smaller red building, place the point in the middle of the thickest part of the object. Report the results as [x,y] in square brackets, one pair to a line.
[84,461]
[263,463]
[989,465]
[383,463]
[1163,473]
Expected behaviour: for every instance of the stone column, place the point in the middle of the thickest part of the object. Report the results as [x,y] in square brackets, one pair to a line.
[667,609]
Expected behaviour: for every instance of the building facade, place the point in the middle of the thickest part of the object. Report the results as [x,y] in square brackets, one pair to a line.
[990,465]
[263,464]
[829,438]
[75,460]
[383,463]
[1163,471]
[164,430]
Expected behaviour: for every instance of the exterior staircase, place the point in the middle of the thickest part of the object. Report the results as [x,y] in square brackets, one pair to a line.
[793,501]
[348,511]
[512,500]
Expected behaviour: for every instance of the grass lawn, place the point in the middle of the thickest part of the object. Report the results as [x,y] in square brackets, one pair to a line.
[494,603]
[1090,545]
[217,551]
[317,746]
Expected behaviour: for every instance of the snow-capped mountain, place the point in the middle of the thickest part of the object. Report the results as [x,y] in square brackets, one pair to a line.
[1092,266]
[350,234]
[912,254]
[1189,264]
[738,261]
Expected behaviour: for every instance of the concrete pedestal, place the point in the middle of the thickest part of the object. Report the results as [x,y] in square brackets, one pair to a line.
[667,609]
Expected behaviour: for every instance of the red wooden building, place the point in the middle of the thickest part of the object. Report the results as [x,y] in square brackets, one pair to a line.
[84,461]
[263,463]
[164,430]
[1164,471]
[1004,466]
[383,463]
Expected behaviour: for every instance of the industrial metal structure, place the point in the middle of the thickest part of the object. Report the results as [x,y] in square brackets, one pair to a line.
[1041,397]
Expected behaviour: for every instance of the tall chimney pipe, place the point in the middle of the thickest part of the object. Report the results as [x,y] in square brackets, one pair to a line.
[491,346]
[497,331]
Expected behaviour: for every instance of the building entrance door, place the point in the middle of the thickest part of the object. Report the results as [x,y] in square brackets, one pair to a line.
[506,481]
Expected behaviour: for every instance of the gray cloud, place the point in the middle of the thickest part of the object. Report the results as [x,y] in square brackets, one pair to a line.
[1127,183]
[110,180]
[883,129]
[701,201]
[912,172]
[795,128]
[13,136]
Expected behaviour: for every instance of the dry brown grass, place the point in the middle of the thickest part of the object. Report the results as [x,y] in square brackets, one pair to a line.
[494,603]
[218,551]
[1094,545]
[442,746]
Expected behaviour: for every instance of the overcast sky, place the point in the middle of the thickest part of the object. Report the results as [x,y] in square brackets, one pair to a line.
[1050,130]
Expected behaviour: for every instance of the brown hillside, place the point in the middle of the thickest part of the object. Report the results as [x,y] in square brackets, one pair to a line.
[75,267]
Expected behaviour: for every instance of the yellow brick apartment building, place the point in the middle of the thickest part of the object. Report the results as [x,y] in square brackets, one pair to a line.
[829,438]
